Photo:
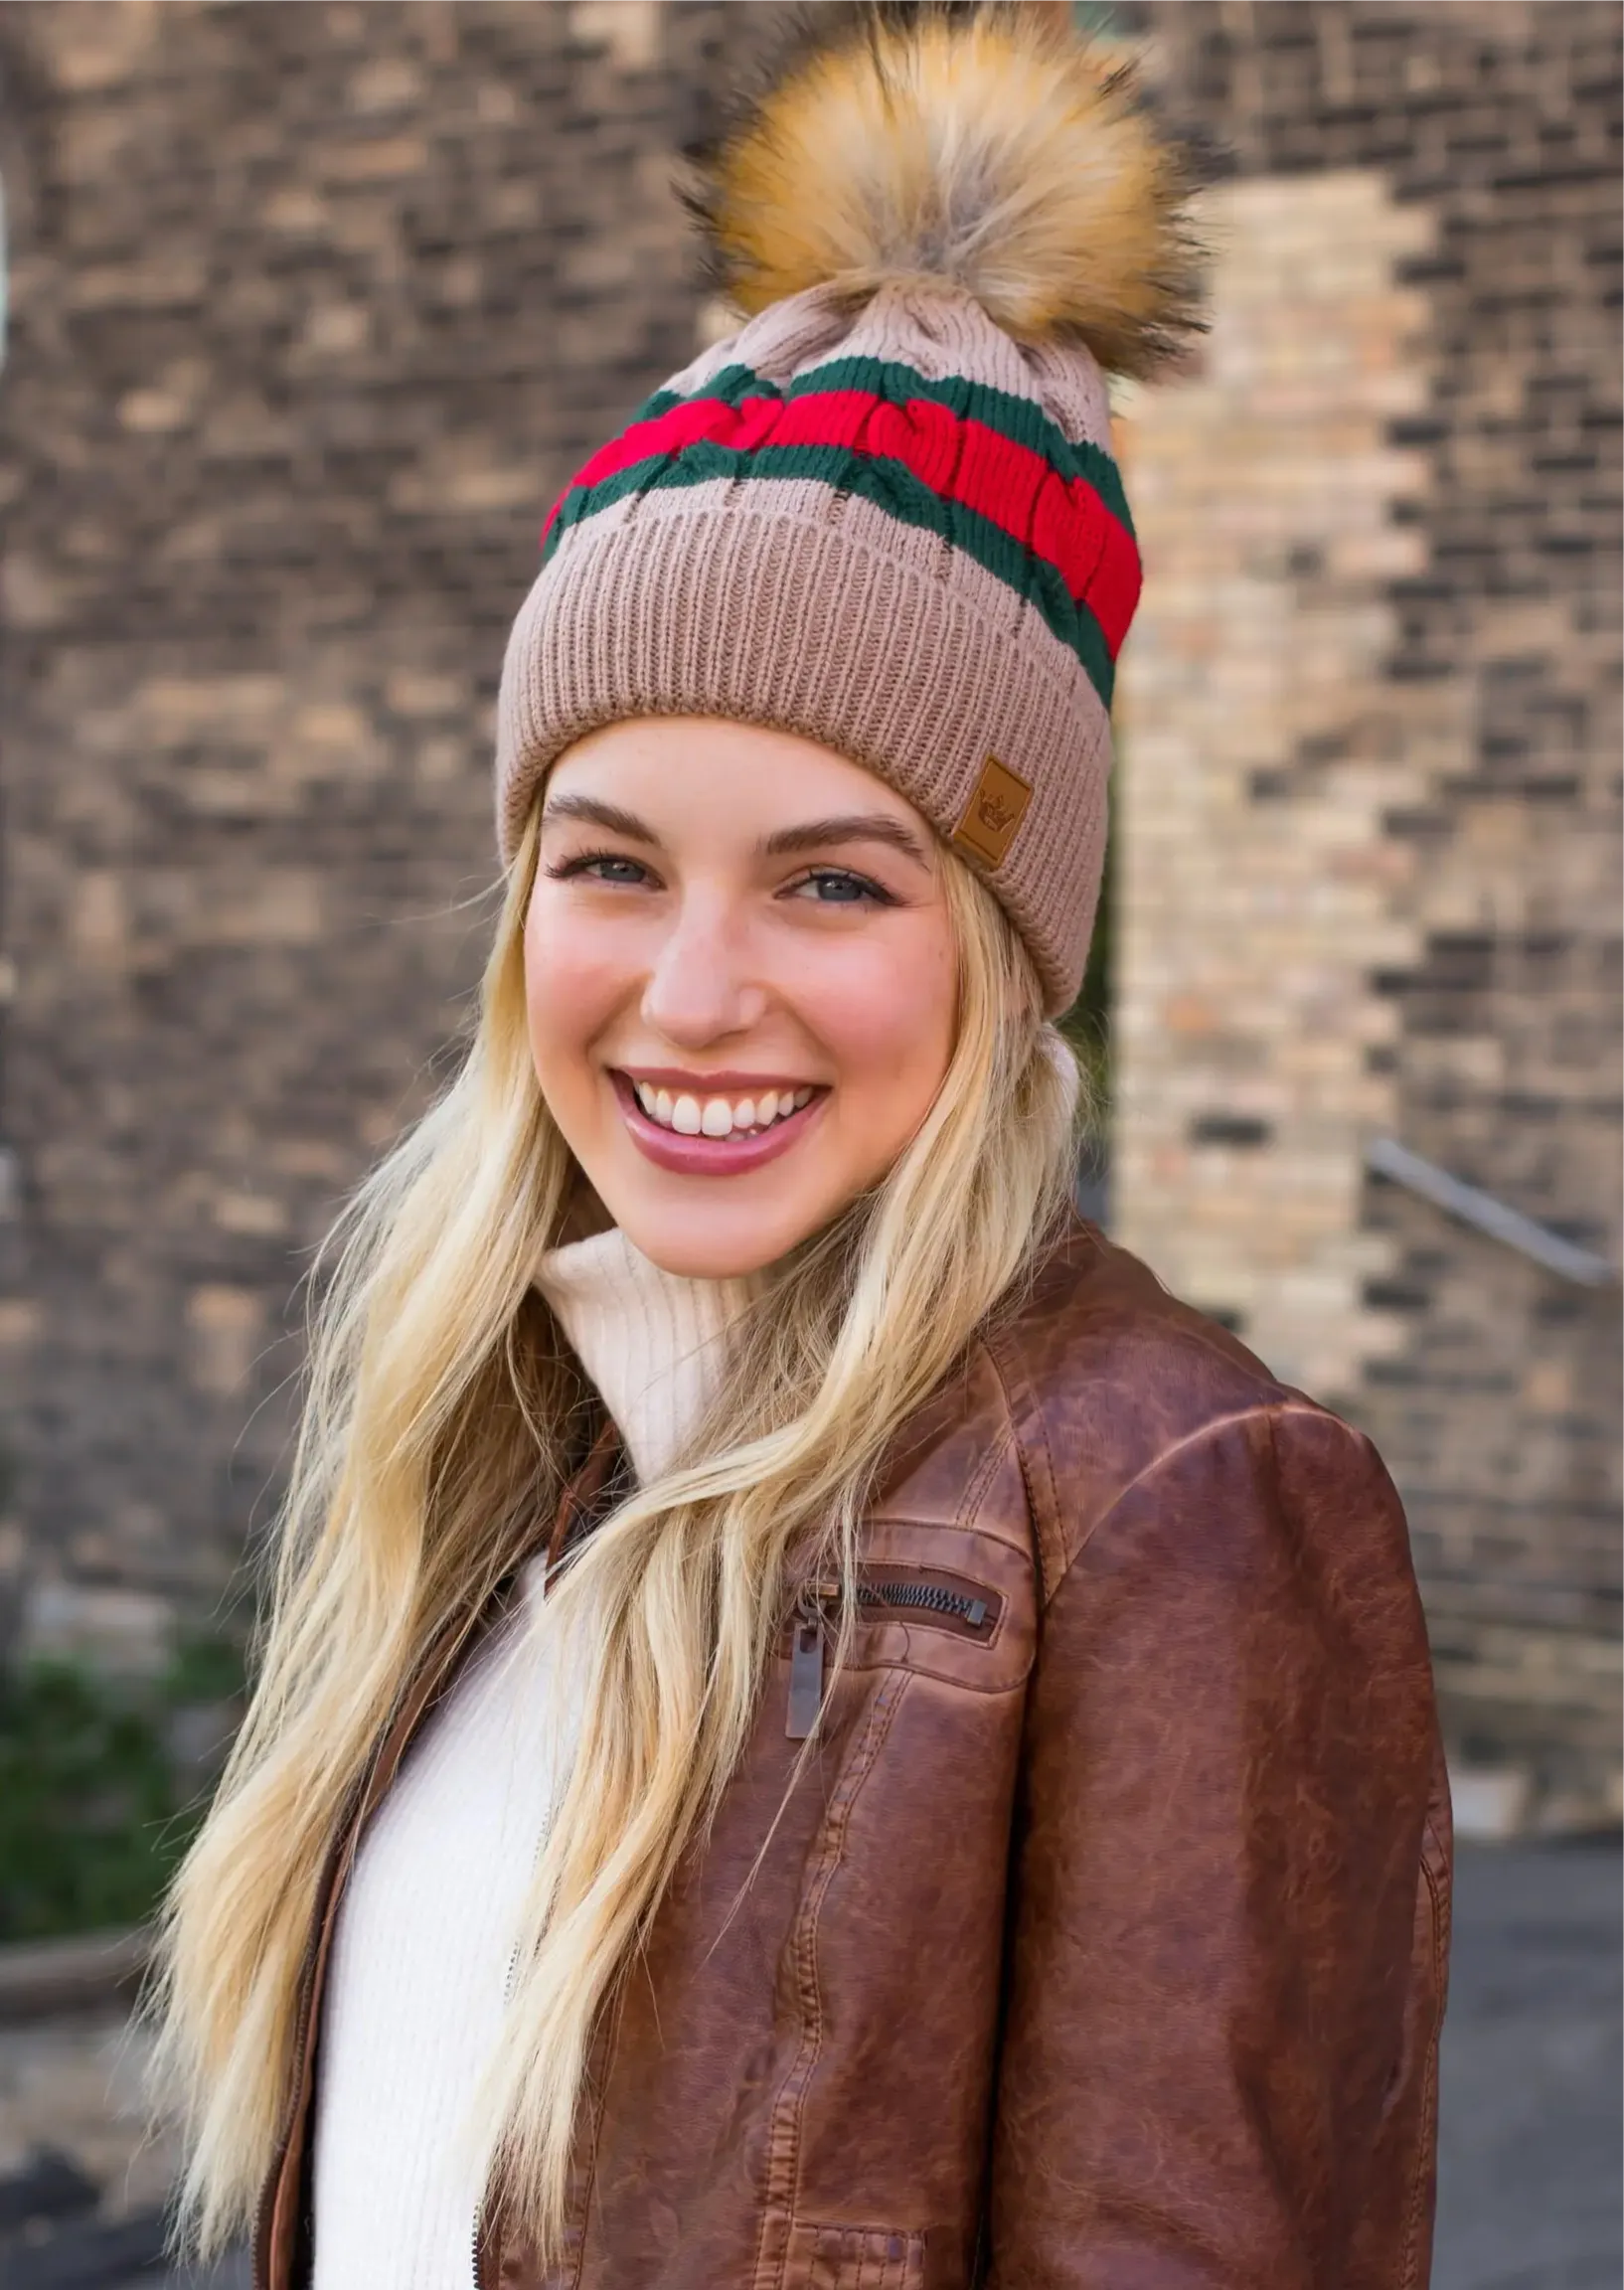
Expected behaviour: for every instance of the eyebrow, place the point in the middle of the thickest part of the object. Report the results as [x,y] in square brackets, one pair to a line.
[787,842]
[592,813]
[852,827]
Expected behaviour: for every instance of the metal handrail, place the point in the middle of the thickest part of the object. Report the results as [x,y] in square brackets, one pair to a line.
[1388,1158]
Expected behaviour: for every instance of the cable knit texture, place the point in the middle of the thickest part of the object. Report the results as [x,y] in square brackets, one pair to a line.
[427,1923]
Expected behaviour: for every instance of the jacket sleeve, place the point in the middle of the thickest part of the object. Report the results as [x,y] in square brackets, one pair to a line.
[1230,1903]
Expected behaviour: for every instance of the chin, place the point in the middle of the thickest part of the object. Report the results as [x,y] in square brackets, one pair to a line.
[700,1247]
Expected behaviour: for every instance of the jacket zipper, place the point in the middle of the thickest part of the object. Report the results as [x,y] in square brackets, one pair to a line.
[929,1600]
[931,1597]
[507,1999]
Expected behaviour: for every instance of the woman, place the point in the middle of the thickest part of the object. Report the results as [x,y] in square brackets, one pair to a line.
[815,1726]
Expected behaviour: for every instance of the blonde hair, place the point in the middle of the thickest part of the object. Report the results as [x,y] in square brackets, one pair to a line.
[435,1436]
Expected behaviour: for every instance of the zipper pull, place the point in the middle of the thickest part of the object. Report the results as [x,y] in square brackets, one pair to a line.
[805,1678]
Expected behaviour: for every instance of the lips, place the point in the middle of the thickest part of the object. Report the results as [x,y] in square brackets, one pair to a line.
[703,1150]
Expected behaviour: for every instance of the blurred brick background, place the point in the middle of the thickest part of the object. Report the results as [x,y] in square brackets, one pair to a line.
[1371,867]
[312,311]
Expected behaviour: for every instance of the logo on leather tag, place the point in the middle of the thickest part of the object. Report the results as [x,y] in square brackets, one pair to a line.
[997,806]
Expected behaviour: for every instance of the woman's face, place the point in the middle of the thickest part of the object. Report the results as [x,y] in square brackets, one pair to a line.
[740,980]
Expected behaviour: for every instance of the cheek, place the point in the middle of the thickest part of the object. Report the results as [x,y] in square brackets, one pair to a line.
[573,985]
[887,1021]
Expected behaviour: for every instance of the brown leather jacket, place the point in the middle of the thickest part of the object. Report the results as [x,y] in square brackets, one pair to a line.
[1103,1944]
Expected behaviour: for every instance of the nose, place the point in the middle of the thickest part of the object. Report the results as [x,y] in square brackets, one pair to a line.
[699,989]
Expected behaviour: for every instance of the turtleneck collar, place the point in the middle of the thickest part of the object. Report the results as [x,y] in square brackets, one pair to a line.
[650,1341]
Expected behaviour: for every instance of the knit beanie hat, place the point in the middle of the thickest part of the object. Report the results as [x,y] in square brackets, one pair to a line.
[883,513]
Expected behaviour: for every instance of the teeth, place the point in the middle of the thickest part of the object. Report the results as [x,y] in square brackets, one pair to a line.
[718,1117]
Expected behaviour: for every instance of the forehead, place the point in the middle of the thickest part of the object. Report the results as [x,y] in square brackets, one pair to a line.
[715,774]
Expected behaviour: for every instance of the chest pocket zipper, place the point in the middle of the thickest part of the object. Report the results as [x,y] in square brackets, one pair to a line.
[939,1602]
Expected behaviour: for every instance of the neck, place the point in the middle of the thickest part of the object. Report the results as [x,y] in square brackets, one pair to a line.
[653,1343]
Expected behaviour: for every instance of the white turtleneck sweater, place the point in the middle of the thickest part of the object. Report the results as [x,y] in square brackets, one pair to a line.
[427,1925]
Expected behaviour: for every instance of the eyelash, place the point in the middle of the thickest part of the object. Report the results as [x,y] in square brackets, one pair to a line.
[872,891]
[585,859]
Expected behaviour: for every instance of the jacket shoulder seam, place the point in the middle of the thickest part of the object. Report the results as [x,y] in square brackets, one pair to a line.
[1266,1410]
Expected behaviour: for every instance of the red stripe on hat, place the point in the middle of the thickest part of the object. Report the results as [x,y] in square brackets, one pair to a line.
[1063,522]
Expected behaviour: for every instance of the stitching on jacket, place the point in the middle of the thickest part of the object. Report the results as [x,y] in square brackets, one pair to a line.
[984,1472]
[1034,1507]
[983,1476]
[1410,2253]
[881,2233]
[792,2101]
[897,2255]
[791,2098]
[787,2108]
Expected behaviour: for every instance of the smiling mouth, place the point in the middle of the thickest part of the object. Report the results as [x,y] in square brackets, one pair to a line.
[710,1134]
[687,1115]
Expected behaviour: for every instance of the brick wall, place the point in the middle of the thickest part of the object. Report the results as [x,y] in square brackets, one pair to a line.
[1372,795]
[1259,890]
[312,311]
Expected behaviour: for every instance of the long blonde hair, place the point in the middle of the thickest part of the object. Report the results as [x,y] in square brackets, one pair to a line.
[436,1435]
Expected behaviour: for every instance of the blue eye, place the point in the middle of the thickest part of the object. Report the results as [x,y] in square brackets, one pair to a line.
[838,886]
[600,867]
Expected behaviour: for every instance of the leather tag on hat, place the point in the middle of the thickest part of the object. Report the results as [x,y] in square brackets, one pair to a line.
[997,804]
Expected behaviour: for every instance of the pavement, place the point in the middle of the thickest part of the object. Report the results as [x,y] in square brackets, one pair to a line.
[1530,2124]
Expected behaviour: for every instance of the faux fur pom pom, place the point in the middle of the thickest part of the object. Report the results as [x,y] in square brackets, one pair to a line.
[991,148]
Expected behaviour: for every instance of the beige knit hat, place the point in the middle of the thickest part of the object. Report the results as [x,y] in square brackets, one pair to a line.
[885,514]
